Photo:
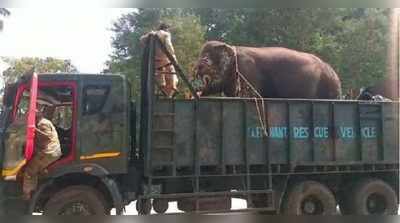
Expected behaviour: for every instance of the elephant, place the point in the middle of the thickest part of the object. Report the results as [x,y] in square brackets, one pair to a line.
[268,72]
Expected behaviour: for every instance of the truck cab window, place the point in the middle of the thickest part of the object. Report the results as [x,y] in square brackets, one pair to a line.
[56,104]
[94,99]
[62,117]
[23,105]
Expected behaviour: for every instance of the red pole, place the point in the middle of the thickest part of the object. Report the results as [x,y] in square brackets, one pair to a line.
[31,119]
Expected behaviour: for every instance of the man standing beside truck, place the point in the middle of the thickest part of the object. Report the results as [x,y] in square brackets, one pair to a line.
[165,71]
[48,150]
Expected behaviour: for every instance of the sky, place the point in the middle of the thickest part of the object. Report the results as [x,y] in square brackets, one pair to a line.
[80,34]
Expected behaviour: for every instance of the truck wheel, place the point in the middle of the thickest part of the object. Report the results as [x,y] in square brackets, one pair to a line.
[160,206]
[143,206]
[310,198]
[372,197]
[76,200]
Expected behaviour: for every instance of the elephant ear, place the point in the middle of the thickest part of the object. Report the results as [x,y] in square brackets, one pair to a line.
[227,56]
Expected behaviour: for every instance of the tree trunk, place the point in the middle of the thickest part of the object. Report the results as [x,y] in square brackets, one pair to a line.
[393,49]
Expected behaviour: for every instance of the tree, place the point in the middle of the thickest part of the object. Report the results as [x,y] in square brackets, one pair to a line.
[3,12]
[187,37]
[364,48]
[353,40]
[19,67]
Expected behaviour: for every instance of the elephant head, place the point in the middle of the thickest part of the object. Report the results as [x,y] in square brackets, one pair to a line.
[215,69]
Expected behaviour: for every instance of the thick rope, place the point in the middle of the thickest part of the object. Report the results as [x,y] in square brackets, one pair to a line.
[240,77]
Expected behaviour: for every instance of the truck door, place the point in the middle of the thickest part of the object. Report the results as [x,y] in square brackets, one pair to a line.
[17,126]
[19,135]
[104,124]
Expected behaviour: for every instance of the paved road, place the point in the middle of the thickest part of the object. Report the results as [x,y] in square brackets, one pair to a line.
[236,204]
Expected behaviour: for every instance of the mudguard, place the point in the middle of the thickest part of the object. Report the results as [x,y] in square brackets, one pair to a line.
[115,193]
[11,202]
[95,170]
[19,137]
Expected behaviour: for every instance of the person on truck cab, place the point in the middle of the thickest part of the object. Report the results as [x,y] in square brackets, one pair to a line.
[165,71]
[47,151]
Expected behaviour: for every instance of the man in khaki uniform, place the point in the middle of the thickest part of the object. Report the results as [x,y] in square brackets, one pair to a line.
[165,71]
[47,151]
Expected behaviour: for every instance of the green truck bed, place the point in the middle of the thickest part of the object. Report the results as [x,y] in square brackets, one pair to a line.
[228,132]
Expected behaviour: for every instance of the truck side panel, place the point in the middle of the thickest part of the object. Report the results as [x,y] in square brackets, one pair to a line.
[322,117]
[184,142]
[233,128]
[345,132]
[278,123]
[390,132]
[103,127]
[220,132]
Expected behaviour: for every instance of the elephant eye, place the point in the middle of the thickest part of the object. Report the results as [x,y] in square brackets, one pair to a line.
[206,61]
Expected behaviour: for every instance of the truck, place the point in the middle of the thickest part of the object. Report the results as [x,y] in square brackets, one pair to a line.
[282,156]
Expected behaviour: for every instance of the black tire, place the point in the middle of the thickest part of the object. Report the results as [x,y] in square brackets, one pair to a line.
[310,198]
[143,206]
[371,197]
[160,206]
[76,200]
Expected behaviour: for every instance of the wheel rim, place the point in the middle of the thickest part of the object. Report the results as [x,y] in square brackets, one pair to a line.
[376,204]
[312,206]
[77,208]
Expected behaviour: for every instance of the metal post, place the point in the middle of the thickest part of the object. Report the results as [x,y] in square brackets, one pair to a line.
[150,97]
[177,67]
[196,149]
[289,134]
[333,131]
[222,152]
[359,137]
[381,143]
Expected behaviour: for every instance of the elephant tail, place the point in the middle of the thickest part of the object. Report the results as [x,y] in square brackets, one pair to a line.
[331,87]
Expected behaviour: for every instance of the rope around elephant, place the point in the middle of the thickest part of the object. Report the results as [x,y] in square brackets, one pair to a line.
[263,119]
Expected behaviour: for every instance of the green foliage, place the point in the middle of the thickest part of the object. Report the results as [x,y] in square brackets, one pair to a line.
[353,41]
[19,67]
[364,49]
[187,37]
[3,12]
